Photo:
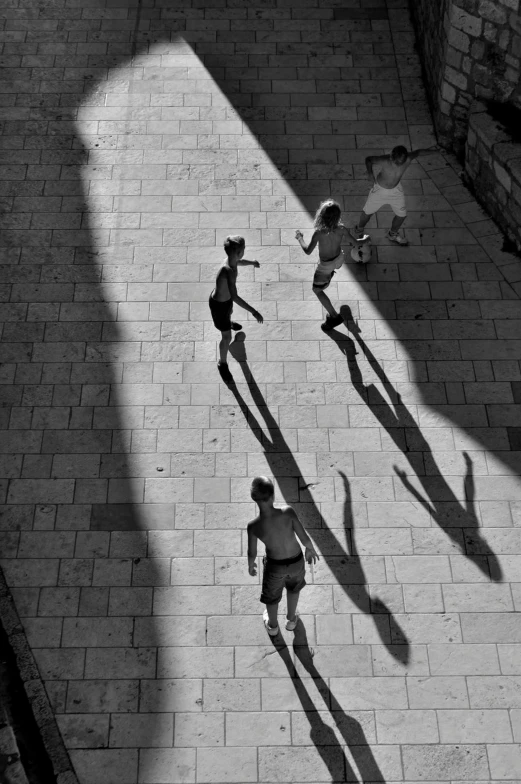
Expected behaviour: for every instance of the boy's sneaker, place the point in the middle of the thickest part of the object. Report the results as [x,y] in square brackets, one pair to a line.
[272,630]
[358,234]
[236,326]
[292,625]
[331,322]
[398,238]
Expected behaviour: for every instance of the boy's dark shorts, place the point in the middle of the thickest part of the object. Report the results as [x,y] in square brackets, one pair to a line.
[277,575]
[221,313]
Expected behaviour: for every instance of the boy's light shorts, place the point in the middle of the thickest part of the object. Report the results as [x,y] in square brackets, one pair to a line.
[379,196]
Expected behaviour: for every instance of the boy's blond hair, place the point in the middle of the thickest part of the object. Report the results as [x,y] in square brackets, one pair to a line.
[262,489]
[233,243]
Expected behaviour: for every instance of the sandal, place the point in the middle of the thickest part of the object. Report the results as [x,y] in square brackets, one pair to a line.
[272,630]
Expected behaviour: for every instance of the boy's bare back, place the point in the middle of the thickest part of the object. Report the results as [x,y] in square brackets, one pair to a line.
[277,532]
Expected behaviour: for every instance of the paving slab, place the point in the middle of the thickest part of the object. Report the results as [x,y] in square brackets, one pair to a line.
[136,137]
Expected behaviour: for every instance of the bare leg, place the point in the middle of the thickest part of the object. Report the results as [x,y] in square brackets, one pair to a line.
[397,222]
[272,614]
[292,599]
[363,220]
[224,345]
[325,301]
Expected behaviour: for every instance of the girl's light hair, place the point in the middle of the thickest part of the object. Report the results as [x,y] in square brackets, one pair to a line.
[327,216]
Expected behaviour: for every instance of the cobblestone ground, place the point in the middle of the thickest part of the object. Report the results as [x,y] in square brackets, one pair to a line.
[135,139]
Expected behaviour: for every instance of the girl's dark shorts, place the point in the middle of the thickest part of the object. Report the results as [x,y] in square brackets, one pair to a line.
[321,280]
[277,575]
[221,313]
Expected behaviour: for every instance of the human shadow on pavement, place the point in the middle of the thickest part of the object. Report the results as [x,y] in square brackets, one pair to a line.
[439,499]
[358,591]
[323,736]
[345,566]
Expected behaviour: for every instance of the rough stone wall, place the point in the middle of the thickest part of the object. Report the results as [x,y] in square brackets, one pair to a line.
[429,18]
[493,164]
[470,49]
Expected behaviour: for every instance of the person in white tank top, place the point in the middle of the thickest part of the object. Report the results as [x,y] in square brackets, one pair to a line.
[329,235]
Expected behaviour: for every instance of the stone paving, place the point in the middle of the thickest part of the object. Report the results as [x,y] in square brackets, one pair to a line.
[135,138]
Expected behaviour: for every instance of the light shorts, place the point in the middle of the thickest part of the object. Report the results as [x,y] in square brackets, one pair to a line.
[325,271]
[379,196]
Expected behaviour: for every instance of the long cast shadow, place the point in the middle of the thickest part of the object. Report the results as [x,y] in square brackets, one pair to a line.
[322,735]
[358,592]
[74,263]
[345,566]
[439,500]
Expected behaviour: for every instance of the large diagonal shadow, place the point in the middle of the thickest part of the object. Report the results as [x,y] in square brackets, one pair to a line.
[322,735]
[345,566]
[74,352]
[76,493]
[439,500]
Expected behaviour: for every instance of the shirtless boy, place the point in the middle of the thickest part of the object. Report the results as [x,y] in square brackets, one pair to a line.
[387,189]
[329,235]
[225,294]
[283,563]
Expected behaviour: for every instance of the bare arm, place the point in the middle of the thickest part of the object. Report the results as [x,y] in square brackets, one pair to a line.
[252,551]
[423,151]
[346,236]
[311,554]
[246,263]
[239,300]
[308,249]
[370,161]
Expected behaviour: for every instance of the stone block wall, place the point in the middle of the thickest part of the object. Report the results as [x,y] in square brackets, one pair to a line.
[432,38]
[471,49]
[493,164]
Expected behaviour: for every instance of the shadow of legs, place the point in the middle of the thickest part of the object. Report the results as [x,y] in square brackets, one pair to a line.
[440,500]
[346,568]
[349,729]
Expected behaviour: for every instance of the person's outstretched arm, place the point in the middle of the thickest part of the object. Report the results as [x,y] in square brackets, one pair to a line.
[424,151]
[246,263]
[308,249]
[412,156]
[346,236]
[252,551]
[311,554]
[240,301]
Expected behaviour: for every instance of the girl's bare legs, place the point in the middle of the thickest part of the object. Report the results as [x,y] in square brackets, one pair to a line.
[325,302]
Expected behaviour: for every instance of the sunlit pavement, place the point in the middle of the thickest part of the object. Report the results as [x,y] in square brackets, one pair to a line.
[134,140]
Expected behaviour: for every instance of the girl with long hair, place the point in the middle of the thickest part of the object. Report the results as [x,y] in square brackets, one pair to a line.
[329,235]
